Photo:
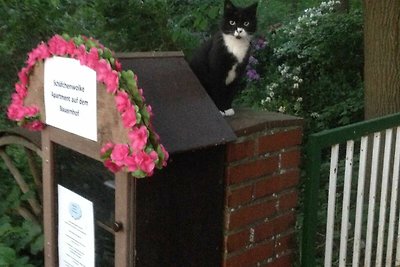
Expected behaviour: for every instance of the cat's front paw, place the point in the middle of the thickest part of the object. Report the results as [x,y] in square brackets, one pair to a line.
[228,112]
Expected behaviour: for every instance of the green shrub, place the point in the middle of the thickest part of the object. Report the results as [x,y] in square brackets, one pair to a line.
[312,67]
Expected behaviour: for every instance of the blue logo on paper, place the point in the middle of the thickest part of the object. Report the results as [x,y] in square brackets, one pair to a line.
[75,211]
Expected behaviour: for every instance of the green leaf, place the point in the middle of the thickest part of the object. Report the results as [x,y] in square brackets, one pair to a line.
[7,255]
[139,174]
[37,245]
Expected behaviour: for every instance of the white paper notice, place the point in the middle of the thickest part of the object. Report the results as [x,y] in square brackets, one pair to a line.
[70,96]
[75,230]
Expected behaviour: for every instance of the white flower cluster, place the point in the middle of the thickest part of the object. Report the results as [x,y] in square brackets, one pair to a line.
[291,75]
[270,93]
[310,17]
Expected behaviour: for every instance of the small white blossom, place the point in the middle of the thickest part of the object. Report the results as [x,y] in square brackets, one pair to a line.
[296,86]
[282,109]
[314,115]
[300,99]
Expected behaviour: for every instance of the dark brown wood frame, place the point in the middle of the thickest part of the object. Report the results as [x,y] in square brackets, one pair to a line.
[110,128]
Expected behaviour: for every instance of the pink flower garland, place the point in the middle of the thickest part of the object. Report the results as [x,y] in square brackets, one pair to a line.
[144,153]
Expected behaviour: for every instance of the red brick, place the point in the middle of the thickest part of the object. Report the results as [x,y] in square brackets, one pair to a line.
[238,240]
[275,226]
[253,169]
[252,213]
[288,201]
[276,183]
[240,196]
[238,151]
[290,159]
[279,140]
[284,244]
[283,261]
[252,256]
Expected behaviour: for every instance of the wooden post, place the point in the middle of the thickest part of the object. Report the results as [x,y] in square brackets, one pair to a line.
[125,221]
[49,200]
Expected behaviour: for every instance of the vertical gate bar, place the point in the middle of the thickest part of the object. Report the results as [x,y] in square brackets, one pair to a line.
[360,200]
[330,222]
[49,201]
[396,174]
[393,201]
[383,201]
[344,234]
[311,203]
[372,197]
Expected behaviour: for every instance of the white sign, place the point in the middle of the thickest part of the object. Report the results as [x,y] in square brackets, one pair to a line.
[75,230]
[70,96]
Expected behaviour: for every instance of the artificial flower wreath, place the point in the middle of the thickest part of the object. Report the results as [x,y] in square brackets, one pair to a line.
[144,152]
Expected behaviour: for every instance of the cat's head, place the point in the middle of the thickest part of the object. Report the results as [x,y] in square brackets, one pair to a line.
[240,22]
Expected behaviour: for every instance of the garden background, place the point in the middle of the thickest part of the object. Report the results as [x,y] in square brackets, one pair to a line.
[307,60]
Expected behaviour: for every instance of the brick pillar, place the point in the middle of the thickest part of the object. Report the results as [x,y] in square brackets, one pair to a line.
[262,175]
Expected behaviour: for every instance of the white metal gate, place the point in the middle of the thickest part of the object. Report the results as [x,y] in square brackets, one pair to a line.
[355,221]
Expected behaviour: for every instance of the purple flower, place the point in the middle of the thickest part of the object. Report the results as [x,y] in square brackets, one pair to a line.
[252,75]
[253,60]
[259,44]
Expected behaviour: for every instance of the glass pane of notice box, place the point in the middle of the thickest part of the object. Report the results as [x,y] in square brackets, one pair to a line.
[90,179]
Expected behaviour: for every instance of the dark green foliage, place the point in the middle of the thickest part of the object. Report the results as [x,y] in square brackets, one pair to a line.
[21,241]
[325,60]
[312,67]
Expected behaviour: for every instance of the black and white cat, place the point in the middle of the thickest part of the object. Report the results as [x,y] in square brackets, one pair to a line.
[220,62]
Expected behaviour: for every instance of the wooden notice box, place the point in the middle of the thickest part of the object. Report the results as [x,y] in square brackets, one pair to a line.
[174,218]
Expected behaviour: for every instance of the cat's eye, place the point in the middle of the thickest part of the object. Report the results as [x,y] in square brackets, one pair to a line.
[231,22]
[246,23]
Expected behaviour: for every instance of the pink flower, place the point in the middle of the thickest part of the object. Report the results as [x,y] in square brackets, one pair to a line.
[112,166]
[34,125]
[132,163]
[79,52]
[106,148]
[118,66]
[70,47]
[21,90]
[90,59]
[15,112]
[59,46]
[31,111]
[138,138]
[141,92]
[129,117]
[119,153]
[122,101]
[17,99]
[39,53]
[166,155]
[23,76]
[147,161]
[107,75]
[103,68]
[149,110]
[112,81]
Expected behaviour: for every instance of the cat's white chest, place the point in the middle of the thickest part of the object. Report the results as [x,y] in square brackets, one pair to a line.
[231,75]
[238,47]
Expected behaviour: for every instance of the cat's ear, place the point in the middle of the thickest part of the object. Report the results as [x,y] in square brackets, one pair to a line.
[252,8]
[228,5]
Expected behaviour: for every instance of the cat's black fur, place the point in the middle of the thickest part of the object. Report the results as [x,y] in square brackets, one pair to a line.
[213,61]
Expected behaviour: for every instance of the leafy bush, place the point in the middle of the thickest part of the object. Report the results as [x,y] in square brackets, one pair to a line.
[312,67]
[21,241]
